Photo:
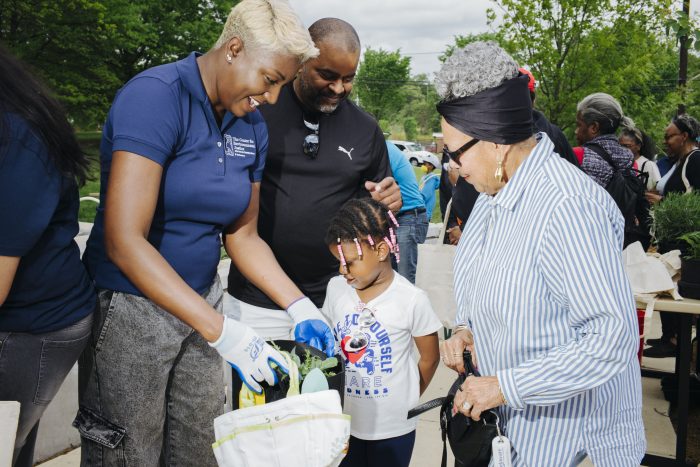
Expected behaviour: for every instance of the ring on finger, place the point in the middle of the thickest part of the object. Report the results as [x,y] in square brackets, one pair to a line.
[466,405]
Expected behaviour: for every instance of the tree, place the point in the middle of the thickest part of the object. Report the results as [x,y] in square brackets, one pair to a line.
[379,82]
[576,47]
[85,50]
[410,128]
[419,97]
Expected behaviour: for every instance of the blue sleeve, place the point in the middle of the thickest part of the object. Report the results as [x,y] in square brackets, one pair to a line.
[380,168]
[581,263]
[262,142]
[146,119]
[428,193]
[29,192]
[402,169]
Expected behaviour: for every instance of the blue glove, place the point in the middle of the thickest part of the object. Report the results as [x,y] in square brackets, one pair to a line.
[310,327]
[248,354]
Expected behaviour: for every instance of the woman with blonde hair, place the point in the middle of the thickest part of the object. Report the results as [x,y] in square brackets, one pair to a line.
[543,299]
[182,155]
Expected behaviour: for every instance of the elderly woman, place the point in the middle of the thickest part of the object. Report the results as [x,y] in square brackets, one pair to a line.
[182,156]
[598,116]
[543,299]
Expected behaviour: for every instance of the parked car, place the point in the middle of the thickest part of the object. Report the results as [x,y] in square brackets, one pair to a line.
[413,151]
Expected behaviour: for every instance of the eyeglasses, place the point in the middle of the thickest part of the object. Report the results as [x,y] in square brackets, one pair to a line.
[668,137]
[455,155]
[311,141]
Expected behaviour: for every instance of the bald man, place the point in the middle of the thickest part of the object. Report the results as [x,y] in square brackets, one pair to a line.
[323,151]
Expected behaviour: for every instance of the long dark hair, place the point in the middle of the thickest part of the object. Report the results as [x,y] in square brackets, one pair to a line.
[23,94]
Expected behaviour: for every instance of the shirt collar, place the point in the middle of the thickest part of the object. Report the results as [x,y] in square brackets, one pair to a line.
[526,174]
[192,79]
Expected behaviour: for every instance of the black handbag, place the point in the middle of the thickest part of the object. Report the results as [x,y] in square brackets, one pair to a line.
[470,441]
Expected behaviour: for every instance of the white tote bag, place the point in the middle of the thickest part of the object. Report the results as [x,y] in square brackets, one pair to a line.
[435,275]
[307,430]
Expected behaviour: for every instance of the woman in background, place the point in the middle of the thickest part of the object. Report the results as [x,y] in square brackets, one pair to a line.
[46,297]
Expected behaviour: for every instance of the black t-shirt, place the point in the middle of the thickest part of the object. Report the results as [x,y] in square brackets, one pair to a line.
[675,183]
[446,187]
[561,144]
[299,195]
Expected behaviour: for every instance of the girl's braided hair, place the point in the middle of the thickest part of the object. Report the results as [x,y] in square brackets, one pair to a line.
[365,220]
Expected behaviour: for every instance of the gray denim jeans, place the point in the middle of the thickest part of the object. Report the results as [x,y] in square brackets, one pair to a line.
[32,369]
[150,386]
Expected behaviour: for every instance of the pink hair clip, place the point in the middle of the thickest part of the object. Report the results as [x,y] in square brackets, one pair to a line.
[388,242]
[370,240]
[359,248]
[342,256]
[393,219]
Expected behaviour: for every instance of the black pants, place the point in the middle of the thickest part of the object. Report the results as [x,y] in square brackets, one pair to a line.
[669,325]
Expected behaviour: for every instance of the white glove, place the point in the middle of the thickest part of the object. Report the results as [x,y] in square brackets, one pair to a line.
[310,327]
[248,354]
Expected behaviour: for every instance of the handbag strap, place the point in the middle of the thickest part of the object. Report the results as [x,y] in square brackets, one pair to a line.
[688,187]
[424,407]
[441,237]
[600,150]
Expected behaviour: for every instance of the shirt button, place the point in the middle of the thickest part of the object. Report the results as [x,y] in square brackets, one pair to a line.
[220,160]
[219,144]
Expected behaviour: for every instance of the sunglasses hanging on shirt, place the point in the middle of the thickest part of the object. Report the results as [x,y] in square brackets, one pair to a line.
[311,142]
[359,338]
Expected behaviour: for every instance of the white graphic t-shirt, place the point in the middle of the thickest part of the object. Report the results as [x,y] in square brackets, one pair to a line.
[381,381]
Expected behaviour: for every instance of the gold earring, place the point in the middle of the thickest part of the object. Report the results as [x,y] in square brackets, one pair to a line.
[499,172]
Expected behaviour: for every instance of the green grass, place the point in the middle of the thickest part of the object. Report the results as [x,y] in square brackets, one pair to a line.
[437,215]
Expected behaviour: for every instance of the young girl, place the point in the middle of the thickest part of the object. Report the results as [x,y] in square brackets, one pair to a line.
[375,315]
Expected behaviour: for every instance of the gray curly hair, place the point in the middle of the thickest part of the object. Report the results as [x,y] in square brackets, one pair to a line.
[474,68]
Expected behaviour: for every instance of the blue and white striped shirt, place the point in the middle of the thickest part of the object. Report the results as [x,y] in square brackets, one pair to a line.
[539,280]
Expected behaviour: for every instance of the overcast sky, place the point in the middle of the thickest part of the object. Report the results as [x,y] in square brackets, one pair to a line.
[421,29]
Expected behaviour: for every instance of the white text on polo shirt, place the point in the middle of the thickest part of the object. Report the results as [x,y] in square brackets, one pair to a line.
[239,147]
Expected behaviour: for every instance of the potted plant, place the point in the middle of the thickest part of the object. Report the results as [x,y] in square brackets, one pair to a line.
[689,283]
[676,215]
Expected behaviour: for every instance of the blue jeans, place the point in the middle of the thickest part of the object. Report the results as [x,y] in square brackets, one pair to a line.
[413,228]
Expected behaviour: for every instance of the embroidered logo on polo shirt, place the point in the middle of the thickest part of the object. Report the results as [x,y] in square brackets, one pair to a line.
[239,147]
[342,149]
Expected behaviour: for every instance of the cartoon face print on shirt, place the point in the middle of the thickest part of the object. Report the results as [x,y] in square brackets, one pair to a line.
[367,367]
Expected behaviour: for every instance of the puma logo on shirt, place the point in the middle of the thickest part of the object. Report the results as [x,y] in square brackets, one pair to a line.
[340,148]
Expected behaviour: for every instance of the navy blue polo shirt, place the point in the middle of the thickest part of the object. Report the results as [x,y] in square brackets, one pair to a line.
[164,114]
[39,217]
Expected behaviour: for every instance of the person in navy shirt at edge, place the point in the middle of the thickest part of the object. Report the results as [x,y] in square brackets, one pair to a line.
[413,223]
[182,155]
[46,297]
[324,151]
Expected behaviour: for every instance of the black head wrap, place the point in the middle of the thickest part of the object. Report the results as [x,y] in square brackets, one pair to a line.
[501,115]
